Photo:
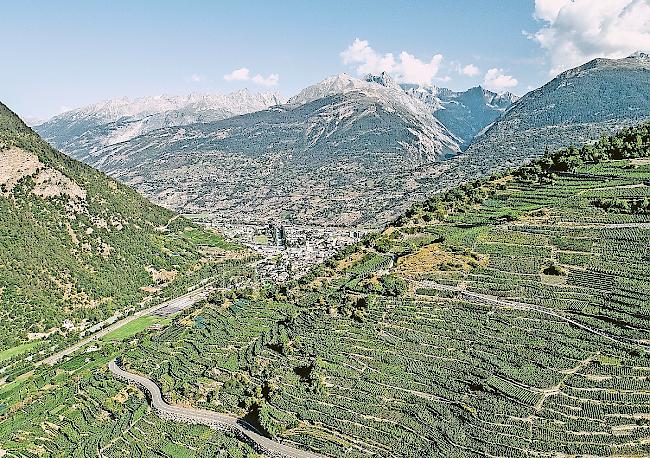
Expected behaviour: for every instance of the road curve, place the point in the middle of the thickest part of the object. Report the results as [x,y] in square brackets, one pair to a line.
[209,418]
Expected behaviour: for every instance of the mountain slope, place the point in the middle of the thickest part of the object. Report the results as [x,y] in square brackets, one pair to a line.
[340,152]
[505,317]
[577,106]
[86,130]
[464,114]
[467,113]
[76,246]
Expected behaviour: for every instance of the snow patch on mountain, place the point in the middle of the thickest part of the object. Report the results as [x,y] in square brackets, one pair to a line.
[238,102]
[86,130]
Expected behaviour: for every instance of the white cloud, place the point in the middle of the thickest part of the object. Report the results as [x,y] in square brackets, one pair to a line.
[196,78]
[407,68]
[496,80]
[270,80]
[241,74]
[244,74]
[413,70]
[368,60]
[577,31]
[470,70]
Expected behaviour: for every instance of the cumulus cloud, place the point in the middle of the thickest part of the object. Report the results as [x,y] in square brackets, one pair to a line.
[470,70]
[240,74]
[270,80]
[244,74]
[496,80]
[367,59]
[413,70]
[576,31]
[196,78]
[406,68]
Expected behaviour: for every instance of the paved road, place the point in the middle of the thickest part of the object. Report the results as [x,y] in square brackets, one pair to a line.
[493,300]
[178,303]
[216,420]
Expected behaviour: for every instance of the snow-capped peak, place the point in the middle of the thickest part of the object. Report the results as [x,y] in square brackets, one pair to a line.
[384,79]
[336,84]
[238,102]
[119,120]
[380,88]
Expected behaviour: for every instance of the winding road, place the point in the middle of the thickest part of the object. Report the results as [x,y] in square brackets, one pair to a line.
[209,418]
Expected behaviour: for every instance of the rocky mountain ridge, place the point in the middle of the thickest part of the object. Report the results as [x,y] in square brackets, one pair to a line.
[579,105]
[86,130]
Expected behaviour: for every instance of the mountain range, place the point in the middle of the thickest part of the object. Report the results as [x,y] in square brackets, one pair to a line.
[86,130]
[349,151]
[578,106]
[318,158]
[464,113]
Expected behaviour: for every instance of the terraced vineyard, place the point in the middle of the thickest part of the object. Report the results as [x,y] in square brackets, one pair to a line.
[82,411]
[507,317]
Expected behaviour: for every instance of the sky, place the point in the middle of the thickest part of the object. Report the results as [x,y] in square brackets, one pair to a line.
[61,55]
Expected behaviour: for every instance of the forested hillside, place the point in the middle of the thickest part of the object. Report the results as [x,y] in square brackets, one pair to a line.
[77,247]
[505,317]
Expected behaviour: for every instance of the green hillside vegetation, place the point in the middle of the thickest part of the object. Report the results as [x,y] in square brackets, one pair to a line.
[78,410]
[506,317]
[76,247]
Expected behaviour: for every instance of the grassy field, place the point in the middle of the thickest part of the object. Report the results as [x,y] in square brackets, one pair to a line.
[134,327]
[17,350]
[209,238]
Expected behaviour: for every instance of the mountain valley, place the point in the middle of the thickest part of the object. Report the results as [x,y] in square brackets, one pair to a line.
[440,251]
[505,316]
[356,153]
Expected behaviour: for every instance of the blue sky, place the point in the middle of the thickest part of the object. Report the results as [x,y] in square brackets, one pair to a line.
[59,55]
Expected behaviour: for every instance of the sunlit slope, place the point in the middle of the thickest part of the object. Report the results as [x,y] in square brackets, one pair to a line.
[506,317]
[76,246]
